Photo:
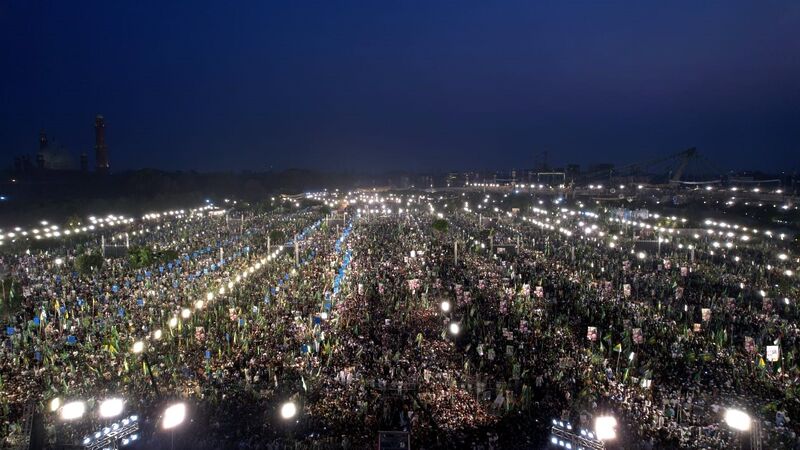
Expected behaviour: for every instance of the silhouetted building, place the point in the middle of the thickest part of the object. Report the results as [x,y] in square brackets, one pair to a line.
[84,162]
[573,169]
[100,148]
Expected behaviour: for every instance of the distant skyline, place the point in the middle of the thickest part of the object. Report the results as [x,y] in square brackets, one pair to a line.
[418,85]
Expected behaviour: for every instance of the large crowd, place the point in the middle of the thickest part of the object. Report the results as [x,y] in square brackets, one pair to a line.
[472,335]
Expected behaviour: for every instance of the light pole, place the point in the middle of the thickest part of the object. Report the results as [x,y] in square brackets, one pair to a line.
[138,348]
[739,421]
[174,415]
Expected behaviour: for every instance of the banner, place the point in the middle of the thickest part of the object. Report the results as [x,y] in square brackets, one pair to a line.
[638,337]
[591,333]
[773,353]
[749,345]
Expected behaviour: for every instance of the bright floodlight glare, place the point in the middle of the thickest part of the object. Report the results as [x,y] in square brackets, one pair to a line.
[174,415]
[138,347]
[59,261]
[55,404]
[445,306]
[737,419]
[605,428]
[111,407]
[454,328]
[73,410]
[288,410]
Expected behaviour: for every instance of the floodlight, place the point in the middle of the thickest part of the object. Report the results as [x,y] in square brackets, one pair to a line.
[288,410]
[605,428]
[111,407]
[174,416]
[73,410]
[737,419]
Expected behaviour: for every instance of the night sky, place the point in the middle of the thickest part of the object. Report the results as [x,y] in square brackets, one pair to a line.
[381,85]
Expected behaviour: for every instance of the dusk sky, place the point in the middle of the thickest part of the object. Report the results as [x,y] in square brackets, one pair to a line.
[381,85]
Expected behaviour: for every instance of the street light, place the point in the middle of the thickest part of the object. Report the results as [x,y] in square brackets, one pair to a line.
[55,404]
[454,328]
[59,261]
[174,416]
[737,419]
[445,306]
[73,410]
[605,428]
[288,410]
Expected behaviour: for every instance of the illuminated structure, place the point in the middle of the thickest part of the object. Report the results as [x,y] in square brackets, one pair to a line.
[100,148]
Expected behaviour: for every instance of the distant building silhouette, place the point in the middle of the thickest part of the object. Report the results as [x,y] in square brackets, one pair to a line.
[100,148]
[51,156]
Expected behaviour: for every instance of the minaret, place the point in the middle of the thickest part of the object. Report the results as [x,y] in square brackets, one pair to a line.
[100,148]
[40,162]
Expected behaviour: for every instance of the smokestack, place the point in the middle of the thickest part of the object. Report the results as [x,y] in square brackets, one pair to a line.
[100,149]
